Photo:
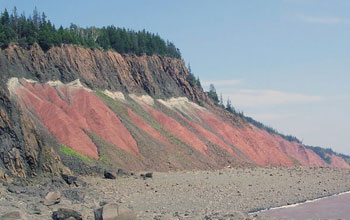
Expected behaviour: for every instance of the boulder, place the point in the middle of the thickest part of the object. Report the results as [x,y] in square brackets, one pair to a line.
[149,175]
[110,212]
[114,212]
[52,198]
[146,175]
[69,179]
[109,174]
[66,214]
[124,213]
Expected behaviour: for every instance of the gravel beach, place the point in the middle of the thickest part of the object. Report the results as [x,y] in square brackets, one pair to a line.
[223,194]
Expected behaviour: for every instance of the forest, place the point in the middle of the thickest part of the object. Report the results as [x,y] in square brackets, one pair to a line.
[36,28]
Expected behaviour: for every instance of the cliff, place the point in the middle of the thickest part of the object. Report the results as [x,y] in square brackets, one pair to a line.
[159,77]
[122,111]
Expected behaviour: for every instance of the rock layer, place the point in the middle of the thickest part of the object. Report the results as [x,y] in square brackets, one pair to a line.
[125,111]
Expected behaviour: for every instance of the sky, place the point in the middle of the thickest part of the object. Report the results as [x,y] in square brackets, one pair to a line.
[286,63]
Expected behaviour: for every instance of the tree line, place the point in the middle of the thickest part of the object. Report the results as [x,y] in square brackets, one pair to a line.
[36,28]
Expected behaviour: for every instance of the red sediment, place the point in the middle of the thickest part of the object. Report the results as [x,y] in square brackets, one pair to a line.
[140,123]
[338,162]
[254,143]
[305,157]
[178,130]
[209,135]
[67,116]
[314,159]
[102,120]
[69,112]
[58,117]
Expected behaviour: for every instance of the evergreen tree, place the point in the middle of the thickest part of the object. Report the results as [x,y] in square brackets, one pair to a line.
[36,17]
[229,106]
[212,94]
[221,101]
[191,78]
[198,83]
[38,29]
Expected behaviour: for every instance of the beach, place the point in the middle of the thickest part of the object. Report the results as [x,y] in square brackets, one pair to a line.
[230,193]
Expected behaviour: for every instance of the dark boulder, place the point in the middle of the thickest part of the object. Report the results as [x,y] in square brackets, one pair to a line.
[69,179]
[109,174]
[65,214]
[149,175]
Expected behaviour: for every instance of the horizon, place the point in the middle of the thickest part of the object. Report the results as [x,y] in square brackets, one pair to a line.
[283,63]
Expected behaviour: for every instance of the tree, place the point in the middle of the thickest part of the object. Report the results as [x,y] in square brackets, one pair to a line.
[212,94]
[191,78]
[221,102]
[229,106]
[38,29]
[5,18]
[199,84]
[36,18]
[189,68]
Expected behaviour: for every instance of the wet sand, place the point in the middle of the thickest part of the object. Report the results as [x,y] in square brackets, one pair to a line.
[334,207]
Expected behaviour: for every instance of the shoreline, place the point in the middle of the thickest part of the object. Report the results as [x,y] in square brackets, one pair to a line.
[298,203]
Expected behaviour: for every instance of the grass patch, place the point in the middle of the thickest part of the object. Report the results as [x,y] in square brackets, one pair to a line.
[70,152]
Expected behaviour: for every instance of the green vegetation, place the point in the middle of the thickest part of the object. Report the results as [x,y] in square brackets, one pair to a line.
[36,28]
[194,82]
[213,95]
[70,152]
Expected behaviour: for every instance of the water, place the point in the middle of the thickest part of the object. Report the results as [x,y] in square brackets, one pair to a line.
[333,207]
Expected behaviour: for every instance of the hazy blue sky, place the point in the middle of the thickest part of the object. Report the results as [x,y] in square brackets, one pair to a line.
[284,62]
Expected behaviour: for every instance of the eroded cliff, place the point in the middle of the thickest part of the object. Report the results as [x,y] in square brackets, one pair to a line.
[124,111]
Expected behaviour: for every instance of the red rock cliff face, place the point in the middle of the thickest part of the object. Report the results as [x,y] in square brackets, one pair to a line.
[117,109]
[69,112]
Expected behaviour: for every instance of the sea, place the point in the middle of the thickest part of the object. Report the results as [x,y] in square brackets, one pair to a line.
[332,207]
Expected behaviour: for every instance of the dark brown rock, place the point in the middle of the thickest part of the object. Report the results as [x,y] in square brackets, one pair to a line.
[109,174]
[149,175]
[69,179]
[65,214]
